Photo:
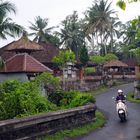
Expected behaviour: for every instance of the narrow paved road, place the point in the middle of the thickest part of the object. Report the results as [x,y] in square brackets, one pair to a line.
[114,129]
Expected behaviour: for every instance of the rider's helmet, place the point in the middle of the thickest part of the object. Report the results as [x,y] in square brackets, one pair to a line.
[120,91]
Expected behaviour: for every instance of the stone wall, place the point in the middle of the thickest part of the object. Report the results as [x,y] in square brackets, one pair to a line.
[43,124]
[13,76]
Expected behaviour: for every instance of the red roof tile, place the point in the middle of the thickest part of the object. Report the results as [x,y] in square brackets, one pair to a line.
[24,63]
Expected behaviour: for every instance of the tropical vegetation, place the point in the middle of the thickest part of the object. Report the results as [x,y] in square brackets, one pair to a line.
[123,3]
[101,25]
[7,26]
[98,37]
[43,33]
[18,99]
[71,34]
[63,57]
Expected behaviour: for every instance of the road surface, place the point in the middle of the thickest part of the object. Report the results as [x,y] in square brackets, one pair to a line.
[114,129]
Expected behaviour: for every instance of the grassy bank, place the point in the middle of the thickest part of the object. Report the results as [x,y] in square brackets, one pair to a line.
[104,88]
[85,129]
[130,97]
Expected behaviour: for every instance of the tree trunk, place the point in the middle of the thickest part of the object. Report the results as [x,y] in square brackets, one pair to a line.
[111,36]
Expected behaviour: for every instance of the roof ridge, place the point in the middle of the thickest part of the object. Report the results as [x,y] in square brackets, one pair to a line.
[11,58]
[24,62]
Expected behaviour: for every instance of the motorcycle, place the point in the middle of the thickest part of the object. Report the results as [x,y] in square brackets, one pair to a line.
[121,110]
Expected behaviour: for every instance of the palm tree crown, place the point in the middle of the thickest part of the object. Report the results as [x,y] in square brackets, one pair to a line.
[41,32]
[71,33]
[7,27]
[99,18]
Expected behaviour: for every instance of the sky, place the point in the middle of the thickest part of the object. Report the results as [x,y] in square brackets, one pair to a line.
[57,10]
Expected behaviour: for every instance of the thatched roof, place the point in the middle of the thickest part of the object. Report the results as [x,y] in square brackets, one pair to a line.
[115,63]
[23,44]
[47,54]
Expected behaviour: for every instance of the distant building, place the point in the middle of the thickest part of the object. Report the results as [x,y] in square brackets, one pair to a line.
[19,64]
[22,67]
[45,54]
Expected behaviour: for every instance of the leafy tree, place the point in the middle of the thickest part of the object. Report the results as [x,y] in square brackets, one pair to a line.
[97,59]
[53,39]
[137,54]
[64,57]
[131,38]
[7,27]
[110,56]
[102,59]
[84,58]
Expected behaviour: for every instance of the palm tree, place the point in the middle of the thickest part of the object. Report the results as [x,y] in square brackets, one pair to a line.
[72,35]
[40,30]
[7,27]
[6,7]
[98,20]
[131,37]
[113,31]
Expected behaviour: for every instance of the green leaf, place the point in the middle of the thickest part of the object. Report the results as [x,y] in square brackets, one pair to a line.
[121,4]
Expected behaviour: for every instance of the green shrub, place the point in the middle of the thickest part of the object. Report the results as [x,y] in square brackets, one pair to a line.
[56,97]
[19,99]
[50,83]
[89,70]
[61,97]
[82,99]
[67,98]
[70,99]
[22,99]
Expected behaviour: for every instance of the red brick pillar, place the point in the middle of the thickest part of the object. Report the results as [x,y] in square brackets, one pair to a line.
[137,72]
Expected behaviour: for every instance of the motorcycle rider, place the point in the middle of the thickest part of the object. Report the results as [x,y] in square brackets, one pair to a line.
[120,96]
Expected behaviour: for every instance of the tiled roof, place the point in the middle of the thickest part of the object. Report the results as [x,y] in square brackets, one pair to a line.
[23,44]
[115,63]
[24,63]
